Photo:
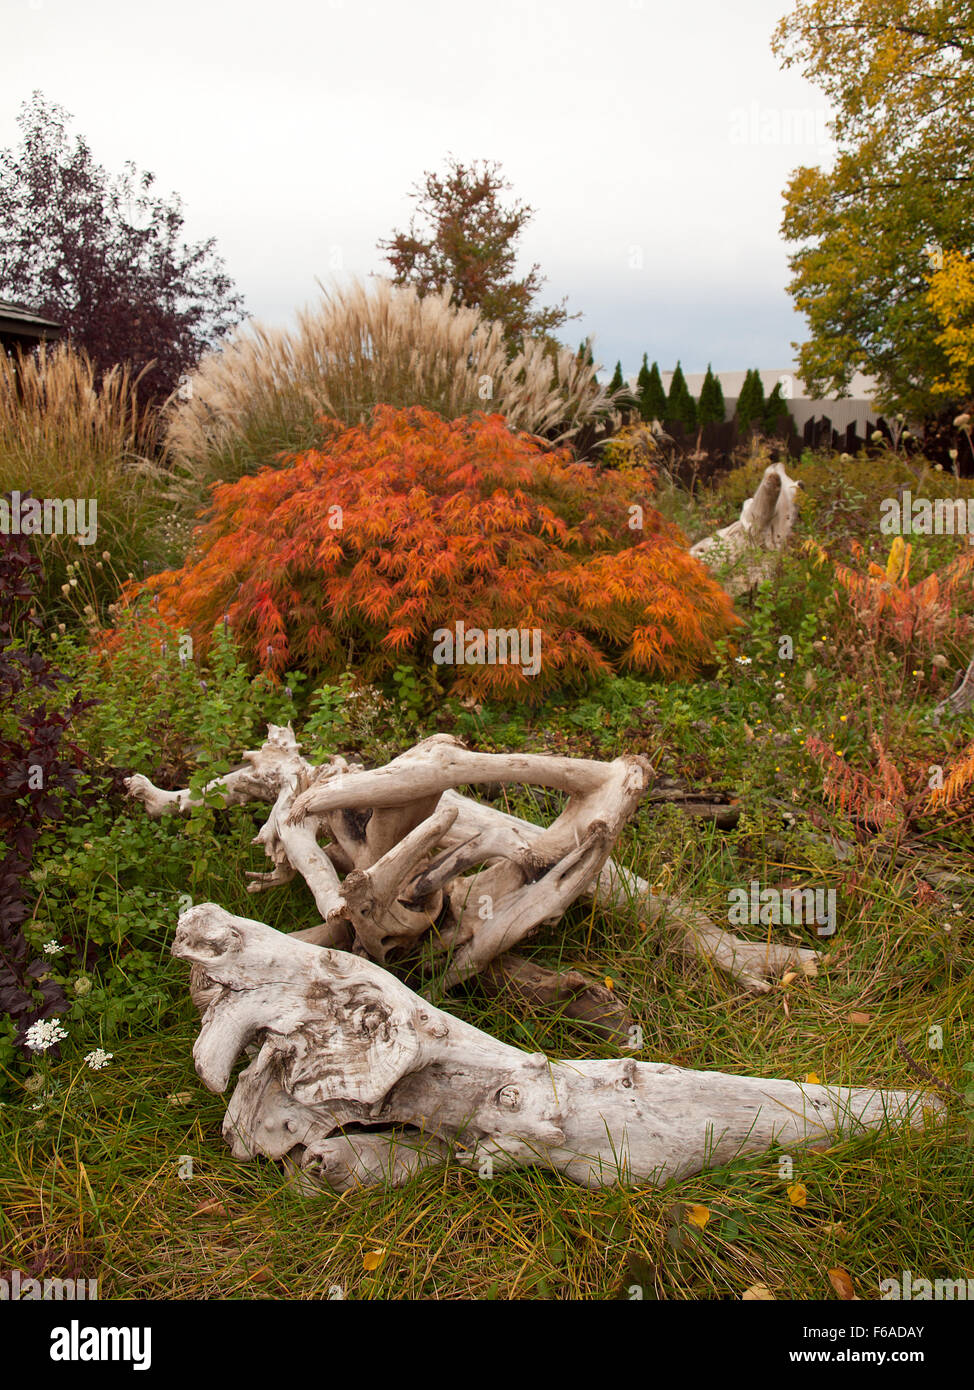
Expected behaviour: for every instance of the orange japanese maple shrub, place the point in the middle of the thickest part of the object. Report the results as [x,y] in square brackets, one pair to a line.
[366,550]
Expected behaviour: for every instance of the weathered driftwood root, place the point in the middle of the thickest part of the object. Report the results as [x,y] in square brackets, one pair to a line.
[753,964]
[396,856]
[961,698]
[569,992]
[743,551]
[358,1080]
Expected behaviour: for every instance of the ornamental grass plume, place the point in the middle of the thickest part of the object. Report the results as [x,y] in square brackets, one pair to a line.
[262,393]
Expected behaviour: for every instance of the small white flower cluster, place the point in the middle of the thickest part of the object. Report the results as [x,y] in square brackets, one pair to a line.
[52,948]
[98,1059]
[44,1034]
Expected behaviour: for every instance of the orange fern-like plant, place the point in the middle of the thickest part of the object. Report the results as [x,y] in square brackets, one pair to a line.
[879,797]
[884,599]
[361,550]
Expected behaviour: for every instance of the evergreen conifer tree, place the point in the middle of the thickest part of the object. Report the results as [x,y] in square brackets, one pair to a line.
[775,410]
[711,409]
[681,407]
[750,403]
[652,397]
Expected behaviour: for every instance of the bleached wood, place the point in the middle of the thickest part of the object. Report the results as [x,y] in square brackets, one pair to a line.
[341,1043]
[961,698]
[753,964]
[396,855]
[741,551]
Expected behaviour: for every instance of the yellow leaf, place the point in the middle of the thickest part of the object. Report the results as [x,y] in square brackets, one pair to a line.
[609,982]
[788,976]
[757,1292]
[812,1079]
[698,1216]
[798,1194]
[843,1285]
[373,1259]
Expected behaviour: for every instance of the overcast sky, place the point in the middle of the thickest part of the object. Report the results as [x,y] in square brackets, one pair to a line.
[654,140]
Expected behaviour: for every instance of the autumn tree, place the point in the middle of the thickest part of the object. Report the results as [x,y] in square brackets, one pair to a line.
[951,297]
[104,257]
[364,549]
[898,195]
[463,236]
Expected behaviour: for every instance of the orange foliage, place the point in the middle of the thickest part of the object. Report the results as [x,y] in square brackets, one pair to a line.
[879,797]
[358,551]
[884,597]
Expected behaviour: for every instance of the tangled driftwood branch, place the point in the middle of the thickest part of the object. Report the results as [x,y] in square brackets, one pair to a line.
[396,857]
[355,1079]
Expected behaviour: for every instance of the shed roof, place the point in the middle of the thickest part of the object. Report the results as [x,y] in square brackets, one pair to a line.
[23,323]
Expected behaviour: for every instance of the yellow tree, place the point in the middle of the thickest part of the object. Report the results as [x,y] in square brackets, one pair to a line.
[951,297]
[870,228]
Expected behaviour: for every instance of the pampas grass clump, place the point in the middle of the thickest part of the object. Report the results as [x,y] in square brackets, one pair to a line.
[363,346]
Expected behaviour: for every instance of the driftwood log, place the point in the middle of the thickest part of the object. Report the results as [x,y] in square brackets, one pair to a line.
[354,1079]
[398,860]
[743,552]
[961,698]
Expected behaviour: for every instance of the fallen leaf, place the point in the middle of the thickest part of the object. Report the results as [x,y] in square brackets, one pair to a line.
[698,1216]
[798,1194]
[860,1019]
[843,1285]
[836,1229]
[812,1079]
[757,1292]
[180,1098]
[373,1259]
[788,976]
[609,982]
[211,1207]
[260,1276]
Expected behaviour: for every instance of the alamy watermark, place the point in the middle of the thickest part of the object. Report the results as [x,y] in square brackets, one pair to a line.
[908,1286]
[925,516]
[50,516]
[472,646]
[18,1287]
[756,906]
[779,125]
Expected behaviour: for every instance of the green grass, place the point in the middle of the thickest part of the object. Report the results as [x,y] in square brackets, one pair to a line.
[90,1182]
[92,1179]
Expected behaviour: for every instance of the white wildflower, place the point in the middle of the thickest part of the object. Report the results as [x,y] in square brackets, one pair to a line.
[98,1059]
[44,1034]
